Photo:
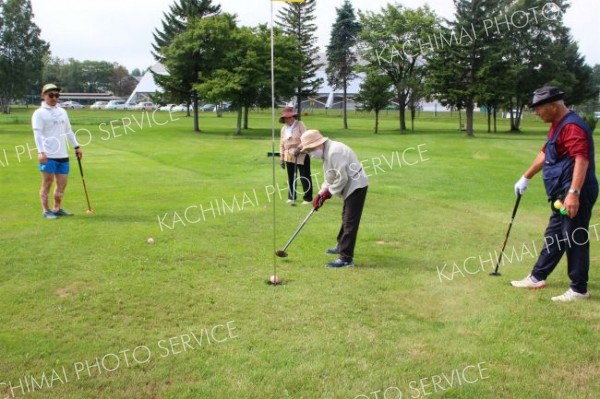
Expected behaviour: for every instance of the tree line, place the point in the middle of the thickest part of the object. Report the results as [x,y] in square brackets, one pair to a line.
[492,54]
[209,56]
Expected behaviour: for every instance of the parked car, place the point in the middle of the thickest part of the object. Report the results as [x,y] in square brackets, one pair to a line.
[167,107]
[180,108]
[70,105]
[208,107]
[224,107]
[597,115]
[116,104]
[99,105]
[506,114]
[145,105]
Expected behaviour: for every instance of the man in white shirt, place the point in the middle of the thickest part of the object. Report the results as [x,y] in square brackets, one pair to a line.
[345,177]
[51,129]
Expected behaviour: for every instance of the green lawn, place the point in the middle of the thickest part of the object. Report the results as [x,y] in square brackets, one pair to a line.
[91,310]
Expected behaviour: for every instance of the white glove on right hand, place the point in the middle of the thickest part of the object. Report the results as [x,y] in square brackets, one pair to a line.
[521,185]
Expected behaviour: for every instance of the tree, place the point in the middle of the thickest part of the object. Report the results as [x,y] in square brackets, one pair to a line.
[542,52]
[177,84]
[243,76]
[596,79]
[375,94]
[340,55]
[193,56]
[296,20]
[575,78]
[122,83]
[89,76]
[396,36]
[497,88]
[455,68]
[95,76]
[22,52]
[175,22]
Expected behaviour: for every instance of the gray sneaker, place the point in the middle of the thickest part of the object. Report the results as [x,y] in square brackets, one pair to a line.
[49,215]
[62,212]
[340,263]
[333,251]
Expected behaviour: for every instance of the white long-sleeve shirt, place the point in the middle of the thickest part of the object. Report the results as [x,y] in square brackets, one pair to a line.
[51,128]
[343,171]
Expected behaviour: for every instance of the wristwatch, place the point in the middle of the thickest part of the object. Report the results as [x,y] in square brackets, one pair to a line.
[574,191]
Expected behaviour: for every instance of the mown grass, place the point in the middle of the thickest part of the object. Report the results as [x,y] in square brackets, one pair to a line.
[90,287]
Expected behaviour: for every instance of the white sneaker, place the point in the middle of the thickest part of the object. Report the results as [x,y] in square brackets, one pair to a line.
[570,295]
[528,282]
[289,201]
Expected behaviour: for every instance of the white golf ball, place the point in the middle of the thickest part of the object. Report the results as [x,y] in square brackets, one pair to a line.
[150,240]
[274,279]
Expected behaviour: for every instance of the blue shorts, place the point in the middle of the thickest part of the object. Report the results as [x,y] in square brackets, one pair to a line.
[55,167]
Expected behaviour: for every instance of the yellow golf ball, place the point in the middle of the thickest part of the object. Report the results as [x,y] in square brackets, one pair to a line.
[558,204]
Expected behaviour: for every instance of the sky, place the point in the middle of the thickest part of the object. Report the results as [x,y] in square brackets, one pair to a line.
[121,30]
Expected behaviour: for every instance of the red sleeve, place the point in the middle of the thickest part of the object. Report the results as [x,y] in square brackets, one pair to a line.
[573,142]
[549,136]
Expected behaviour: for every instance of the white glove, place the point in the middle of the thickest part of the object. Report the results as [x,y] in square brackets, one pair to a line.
[521,185]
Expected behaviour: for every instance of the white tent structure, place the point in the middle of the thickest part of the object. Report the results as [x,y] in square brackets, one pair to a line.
[330,98]
[147,86]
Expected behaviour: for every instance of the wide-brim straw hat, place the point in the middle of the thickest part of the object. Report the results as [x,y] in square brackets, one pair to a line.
[311,139]
[287,112]
[545,95]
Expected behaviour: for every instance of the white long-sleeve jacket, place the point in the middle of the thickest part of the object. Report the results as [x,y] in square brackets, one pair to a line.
[343,171]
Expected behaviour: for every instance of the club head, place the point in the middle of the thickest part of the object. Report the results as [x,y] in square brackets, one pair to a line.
[281,253]
[495,274]
[89,212]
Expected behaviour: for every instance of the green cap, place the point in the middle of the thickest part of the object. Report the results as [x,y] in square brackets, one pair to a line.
[50,86]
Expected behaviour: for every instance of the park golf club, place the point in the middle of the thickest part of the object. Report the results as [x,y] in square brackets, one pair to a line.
[89,210]
[296,153]
[295,176]
[495,272]
[281,252]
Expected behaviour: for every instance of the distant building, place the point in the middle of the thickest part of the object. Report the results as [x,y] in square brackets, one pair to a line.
[88,98]
[329,98]
[326,97]
[147,86]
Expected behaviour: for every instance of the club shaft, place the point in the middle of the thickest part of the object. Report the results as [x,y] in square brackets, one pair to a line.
[87,198]
[294,181]
[298,230]
[514,213]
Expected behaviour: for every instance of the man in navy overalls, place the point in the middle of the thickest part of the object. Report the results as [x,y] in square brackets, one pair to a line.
[568,169]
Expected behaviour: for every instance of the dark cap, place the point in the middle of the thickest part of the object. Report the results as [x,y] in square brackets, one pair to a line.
[545,95]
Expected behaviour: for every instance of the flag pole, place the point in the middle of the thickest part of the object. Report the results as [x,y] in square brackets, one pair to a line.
[273,138]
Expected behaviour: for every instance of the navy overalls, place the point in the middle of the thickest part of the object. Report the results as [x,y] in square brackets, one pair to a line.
[565,234]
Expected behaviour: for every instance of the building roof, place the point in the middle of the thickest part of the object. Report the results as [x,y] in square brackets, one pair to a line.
[147,85]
